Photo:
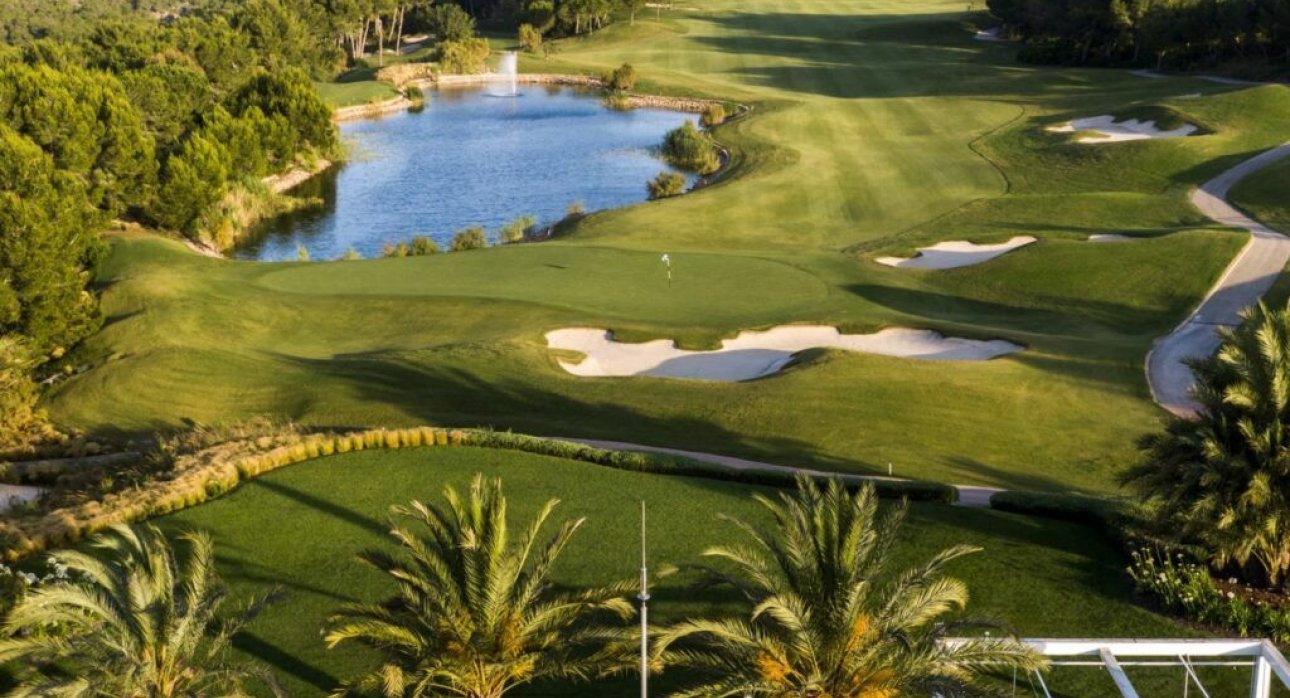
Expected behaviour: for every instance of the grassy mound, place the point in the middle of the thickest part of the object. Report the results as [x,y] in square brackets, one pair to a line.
[299,528]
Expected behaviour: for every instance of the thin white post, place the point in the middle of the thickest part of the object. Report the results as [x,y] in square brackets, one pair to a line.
[1261,681]
[644,599]
[1120,678]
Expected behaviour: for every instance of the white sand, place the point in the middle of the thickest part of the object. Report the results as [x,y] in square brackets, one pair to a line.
[1108,130]
[1109,237]
[755,354]
[991,34]
[955,253]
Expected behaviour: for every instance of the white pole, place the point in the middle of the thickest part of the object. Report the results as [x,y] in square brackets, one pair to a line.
[644,599]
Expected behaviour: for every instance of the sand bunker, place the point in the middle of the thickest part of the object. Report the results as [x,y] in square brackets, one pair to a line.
[955,253]
[1109,237]
[991,34]
[756,354]
[1108,130]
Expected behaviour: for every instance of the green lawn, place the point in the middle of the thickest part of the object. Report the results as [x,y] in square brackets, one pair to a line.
[300,527]
[348,94]
[877,127]
[1266,195]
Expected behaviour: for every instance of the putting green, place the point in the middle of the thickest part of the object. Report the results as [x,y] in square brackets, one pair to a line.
[876,128]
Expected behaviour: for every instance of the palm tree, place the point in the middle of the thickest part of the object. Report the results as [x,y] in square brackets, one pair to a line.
[824,617]
[475,614]
[131,622]
[1222,477]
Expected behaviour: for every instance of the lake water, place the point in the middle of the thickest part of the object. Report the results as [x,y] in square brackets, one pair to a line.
[470,158]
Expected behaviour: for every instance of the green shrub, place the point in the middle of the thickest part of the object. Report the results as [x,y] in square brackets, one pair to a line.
[517,230]
[713,115]
[423,246]
[620,79]
[665,184]
[414,94]
[464,57]
[530,38]
[688,148]
[575,210]
[473,238]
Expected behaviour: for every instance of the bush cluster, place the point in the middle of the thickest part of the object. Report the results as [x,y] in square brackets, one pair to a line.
[665,184]
[420,246]
[620,79]
[464,57]
[530,38]
[1187,588]
[688,148]
[473,238]
[713,115]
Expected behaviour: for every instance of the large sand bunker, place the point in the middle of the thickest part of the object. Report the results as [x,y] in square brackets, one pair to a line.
[955,253]
[1106,129]
[756,354]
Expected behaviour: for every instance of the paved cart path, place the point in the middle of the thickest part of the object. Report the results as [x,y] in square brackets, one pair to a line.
[1249,276]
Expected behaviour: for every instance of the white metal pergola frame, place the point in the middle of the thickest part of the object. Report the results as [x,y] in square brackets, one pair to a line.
[1263,658]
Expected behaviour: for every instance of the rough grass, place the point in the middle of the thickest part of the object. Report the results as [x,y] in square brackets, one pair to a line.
[876,128]
[300,527]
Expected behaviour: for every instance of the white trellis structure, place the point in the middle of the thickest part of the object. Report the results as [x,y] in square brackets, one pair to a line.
[1261,656]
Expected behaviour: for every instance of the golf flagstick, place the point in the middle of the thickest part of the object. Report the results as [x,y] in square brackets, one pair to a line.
[644,599]
[667,259]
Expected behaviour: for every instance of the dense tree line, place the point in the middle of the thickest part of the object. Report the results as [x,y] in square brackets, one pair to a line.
[160,121]
[1161,34]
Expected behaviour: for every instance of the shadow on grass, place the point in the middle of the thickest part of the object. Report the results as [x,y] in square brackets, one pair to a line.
[285,662]
[432,394]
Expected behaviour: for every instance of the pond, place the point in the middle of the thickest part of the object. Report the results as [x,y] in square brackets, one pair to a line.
[470,158]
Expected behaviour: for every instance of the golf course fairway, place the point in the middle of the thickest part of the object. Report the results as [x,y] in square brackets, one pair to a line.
[876,128]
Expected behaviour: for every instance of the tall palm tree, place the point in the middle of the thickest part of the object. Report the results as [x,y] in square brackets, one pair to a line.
[475,613]
[1222,477]
[130,622]
[825,619]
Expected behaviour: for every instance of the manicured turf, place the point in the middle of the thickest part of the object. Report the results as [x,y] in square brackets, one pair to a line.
[299,528]
[877,127]
[1266,195]
[346,94]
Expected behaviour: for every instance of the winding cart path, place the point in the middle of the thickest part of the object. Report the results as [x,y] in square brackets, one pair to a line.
[1249,276]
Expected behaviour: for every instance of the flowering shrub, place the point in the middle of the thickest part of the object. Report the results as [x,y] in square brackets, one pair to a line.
[14,584]
[1188,589]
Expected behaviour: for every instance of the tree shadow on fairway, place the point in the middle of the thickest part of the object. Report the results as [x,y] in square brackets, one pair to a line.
[1084,322]
[427,392]
[1012,479]
[284,661]
[888,56]
[328,507]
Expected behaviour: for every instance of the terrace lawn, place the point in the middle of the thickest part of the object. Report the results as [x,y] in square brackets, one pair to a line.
[299,528]
[877,127]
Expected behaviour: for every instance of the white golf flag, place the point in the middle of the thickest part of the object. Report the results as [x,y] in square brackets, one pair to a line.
[667,260]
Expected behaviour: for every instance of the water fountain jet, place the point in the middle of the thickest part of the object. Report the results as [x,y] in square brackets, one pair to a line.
[508,70]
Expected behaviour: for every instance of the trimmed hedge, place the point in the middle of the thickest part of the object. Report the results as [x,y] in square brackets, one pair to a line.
[1076,508]
[209,476]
